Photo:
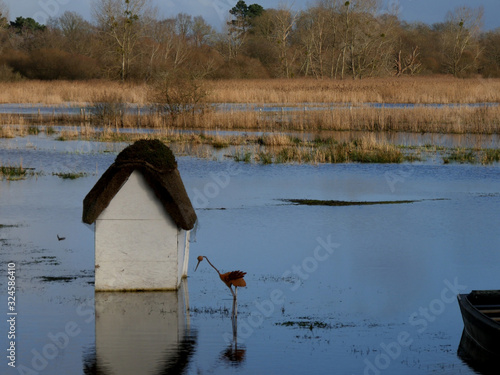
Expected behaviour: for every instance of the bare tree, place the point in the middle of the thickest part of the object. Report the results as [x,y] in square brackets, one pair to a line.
[285,20]
[332,11]
[377,45]
[358,18]
[313,33]
[122,22]
[490,44]
[184,23]
[171,42]
[460,39]
[4,14]
[163,39]
[230,42]
[77,33]
[4,37]
[408,64]
[277,26]
[201,31]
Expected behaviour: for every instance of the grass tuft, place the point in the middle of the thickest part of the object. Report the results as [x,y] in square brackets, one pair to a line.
[10,172]
[243,157]
[265,157]
[490,156]
[33,130]
[460,156]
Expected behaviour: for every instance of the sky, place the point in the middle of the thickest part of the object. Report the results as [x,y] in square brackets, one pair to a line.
[216,11]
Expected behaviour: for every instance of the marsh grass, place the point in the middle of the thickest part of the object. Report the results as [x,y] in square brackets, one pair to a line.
[461,155]
[111,99]
[49,130]
[108,108]
[490,156]
[13,172]
[444,120]
[73,92]
[435,89]
[242,156]
[265,157]
[472,156]
[219,142]
[33,130]
[283,148]
[327,150]
[7,131]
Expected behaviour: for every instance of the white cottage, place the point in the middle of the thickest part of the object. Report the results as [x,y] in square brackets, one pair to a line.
[142,217]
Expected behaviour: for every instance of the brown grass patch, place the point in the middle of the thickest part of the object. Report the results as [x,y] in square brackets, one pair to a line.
[433,89]
[440,89]
[59,92]
[354,115]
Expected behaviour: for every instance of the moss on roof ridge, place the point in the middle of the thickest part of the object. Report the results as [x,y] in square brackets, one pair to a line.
[152,151]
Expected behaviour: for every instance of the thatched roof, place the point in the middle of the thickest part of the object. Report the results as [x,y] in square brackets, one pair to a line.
[157,164]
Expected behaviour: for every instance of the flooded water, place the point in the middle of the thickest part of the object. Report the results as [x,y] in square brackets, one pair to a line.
[77,108]
[345,290]
[396,138]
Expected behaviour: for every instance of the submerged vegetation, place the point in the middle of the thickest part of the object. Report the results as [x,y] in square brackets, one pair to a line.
[70,175]
[490,156]
[111,112]
[316,202]
[309,324]
[8,226]
[13,172]
[275,147]
[461,156]
[64,279]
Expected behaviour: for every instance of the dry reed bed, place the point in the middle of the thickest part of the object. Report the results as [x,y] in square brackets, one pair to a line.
[441,89]
[78,92]
[457,120]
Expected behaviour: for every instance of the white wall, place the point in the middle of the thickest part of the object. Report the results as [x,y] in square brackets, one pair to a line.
[183,253]
[136,244]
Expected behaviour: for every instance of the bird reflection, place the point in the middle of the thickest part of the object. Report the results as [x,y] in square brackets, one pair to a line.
[233,354]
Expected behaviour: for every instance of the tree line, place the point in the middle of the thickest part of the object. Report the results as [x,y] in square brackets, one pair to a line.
[339,39]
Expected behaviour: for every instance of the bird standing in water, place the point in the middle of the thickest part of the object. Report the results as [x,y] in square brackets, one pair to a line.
[233,278]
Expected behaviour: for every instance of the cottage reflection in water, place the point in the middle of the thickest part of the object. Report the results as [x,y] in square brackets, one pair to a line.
[141,333]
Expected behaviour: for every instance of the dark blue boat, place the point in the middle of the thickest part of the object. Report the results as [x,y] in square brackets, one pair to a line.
[480,343]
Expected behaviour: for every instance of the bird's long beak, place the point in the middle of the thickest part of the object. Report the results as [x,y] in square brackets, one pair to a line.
[197,265]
